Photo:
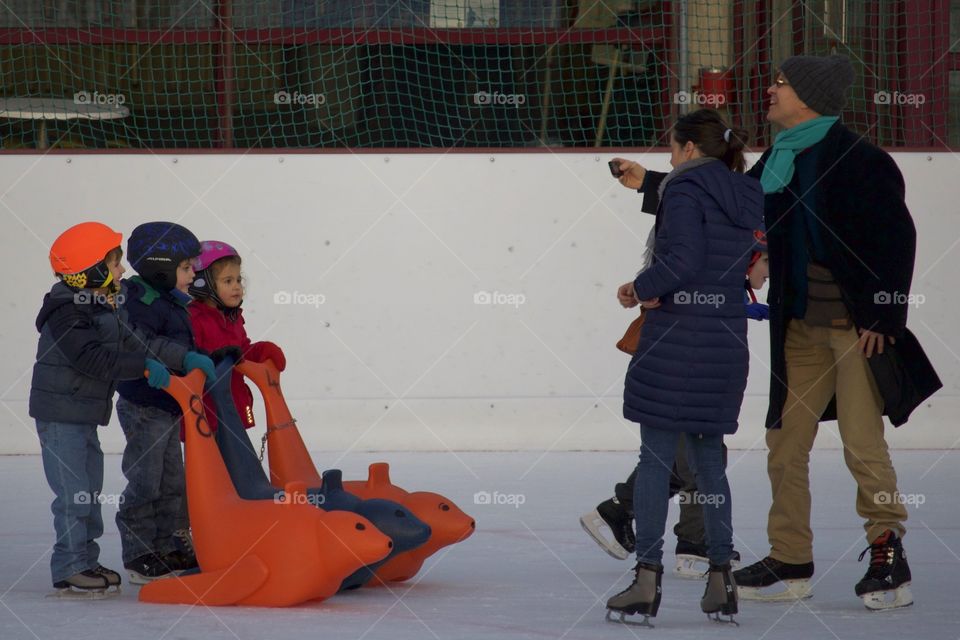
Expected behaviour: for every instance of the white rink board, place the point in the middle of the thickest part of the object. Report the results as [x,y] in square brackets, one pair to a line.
[381,257]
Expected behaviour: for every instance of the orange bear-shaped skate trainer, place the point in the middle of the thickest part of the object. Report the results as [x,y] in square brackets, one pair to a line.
[290,461]
[256,552]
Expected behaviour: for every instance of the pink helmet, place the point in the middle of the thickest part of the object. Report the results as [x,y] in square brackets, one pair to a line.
[210,252]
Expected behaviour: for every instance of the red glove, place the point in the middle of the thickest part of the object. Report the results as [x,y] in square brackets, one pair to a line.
[263,351]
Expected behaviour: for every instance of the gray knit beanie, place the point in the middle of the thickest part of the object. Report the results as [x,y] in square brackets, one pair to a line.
[820,81]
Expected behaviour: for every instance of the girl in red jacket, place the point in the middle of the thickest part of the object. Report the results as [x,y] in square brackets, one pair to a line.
[218,320]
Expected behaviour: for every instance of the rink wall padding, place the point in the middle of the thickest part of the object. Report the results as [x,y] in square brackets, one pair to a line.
[431,301]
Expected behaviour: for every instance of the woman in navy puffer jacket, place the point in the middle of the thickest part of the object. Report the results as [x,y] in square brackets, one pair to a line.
[689,374]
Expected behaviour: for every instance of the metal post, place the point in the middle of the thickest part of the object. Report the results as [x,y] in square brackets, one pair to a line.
[225,72]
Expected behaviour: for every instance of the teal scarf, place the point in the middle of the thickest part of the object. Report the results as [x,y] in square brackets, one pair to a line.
[778,170]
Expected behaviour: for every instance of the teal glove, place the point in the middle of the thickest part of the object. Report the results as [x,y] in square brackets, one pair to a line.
[159,376]
[194,360]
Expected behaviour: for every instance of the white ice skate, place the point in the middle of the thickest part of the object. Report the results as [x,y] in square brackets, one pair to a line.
[595,526]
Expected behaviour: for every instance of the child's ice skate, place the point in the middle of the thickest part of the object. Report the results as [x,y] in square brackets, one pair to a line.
[148,568]
[887,582]
[642,597]
[90,584]
[113,578]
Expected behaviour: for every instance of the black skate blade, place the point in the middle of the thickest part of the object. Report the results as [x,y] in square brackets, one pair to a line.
[623,619]
[715,617]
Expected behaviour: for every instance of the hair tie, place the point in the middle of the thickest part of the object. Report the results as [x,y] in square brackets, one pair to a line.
[726,135]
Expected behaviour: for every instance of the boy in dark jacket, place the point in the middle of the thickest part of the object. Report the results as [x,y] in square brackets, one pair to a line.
[156,302]
[85,347]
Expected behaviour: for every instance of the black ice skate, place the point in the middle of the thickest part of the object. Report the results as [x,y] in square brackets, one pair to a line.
[180,561]
[642,597]
[774,581]
[720,596]
[88,585]
[887,582]
[614,516]
[147,568]
[183,540]
[692,562]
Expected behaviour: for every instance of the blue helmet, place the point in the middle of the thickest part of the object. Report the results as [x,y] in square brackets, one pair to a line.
[156,249]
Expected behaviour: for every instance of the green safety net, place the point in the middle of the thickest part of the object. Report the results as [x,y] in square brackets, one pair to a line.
[211,74]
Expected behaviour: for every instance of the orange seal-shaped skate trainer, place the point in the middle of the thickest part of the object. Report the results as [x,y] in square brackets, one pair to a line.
[448,524]
[290,461]
[256,552]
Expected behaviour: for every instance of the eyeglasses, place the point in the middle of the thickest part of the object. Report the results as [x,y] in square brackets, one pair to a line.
[781,81]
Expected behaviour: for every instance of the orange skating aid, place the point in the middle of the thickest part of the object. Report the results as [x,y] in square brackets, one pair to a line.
[448,524]
[289,460]
[257,552]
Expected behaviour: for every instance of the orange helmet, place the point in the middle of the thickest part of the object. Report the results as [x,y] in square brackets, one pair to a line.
[82,247]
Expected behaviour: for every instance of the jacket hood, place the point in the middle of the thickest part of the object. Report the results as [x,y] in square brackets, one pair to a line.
[58,296]
[739,196]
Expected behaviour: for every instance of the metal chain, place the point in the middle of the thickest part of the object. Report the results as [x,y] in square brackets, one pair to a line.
[263,440]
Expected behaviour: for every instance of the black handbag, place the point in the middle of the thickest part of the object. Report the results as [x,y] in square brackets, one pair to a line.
[904,376]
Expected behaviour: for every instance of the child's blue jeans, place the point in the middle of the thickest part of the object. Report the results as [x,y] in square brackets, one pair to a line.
[73,465]
[153,466]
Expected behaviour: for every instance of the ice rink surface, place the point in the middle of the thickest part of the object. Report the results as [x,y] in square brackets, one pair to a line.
[529,571]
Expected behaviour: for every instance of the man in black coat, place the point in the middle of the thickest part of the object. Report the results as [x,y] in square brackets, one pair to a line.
[841,247]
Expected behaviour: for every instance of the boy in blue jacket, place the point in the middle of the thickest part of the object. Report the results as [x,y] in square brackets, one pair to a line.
[156,302]
[85,347]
